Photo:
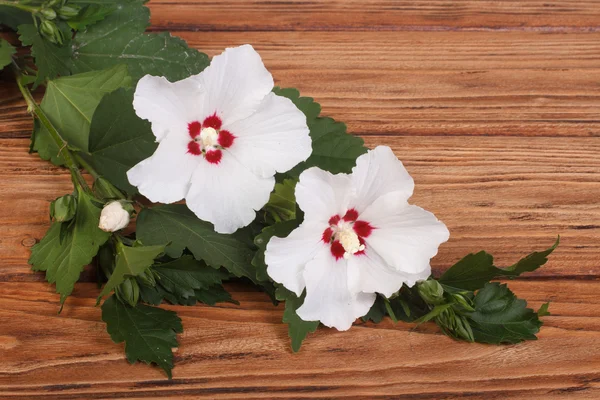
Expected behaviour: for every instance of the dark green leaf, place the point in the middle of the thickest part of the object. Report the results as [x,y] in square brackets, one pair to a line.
[475,270]
[91,14]
[131,262]
[500,317]
[175,223]
[333,149]
[13,17]
[120,38]
[377,312]
[6,52]
[149,333]
[119,139]
[51,60]
[182,277]
[69,103]
[63,260]
[213,295]
[298,329]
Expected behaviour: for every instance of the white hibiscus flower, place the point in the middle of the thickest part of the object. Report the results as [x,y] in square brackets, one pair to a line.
[222,137]
[359,237]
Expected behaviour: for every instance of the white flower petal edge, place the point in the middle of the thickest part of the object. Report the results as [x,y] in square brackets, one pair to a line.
[222,137]
[368,239]
[328,298]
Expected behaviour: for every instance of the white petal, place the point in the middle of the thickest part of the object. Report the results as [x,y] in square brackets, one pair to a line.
[379,173]
[235,84]
[369,273]
[273,139]
[405,236]
[321,195]
[165,176]
[227,194]
[168,106]
[328,298]
[286,258]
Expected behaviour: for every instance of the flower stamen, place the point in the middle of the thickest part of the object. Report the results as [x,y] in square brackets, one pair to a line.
[208,139]
[346,235]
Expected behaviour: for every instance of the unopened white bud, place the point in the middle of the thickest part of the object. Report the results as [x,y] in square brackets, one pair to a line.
[113,217]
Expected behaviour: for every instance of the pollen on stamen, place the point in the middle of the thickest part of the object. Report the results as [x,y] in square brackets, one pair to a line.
[362,228]
[194,148]
[351,215]
[194,128]
[225,138]
[212,122]
[214,156]
[337,250]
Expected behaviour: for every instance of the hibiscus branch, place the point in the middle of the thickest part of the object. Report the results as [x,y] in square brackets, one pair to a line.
[34,109]
[19,6]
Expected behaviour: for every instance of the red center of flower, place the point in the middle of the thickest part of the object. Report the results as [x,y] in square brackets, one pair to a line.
[346,234]
[208,139]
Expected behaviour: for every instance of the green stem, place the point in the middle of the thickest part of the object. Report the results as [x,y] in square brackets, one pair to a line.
[86,165]
[19,6]
[36,110]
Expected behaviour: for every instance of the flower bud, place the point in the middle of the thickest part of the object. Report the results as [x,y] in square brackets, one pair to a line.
[68,12]
[50,31]
[63,208]
[147,278]
[432,292]
[47,13]
[128,292]
[113,217]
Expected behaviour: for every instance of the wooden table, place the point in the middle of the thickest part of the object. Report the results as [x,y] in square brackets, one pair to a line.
[493,106]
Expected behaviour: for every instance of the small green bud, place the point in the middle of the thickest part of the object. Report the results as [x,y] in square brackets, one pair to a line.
[460,299]
[50,31]
[432,292]
[52,3]
[68,12]
[63,208]
[147,278]
[106,190]
[128,292]
[48,13]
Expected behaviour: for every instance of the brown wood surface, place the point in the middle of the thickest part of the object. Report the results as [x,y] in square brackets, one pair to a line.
[494,106]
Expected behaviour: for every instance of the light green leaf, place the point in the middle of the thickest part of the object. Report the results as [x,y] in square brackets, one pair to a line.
[475,270]
[282,203]
[543,311]
[6,52]
[333,149]
[149,333]
[500,317]
[120,38]
[119,139]
[51,60]
[175,223]
[298,329]
[70,102]
[130,262]
[90,14]
[63,258]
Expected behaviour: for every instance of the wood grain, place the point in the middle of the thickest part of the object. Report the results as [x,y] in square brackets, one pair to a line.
[494,108]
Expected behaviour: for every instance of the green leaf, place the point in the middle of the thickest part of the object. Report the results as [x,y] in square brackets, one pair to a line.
[475,270]
[120,38]
[333,149]
[6,52]
[64,258]
[13,17]
[213,295]
[130,262]
[377,312]
[175,223]
[282,202]
[119,139]
[51,60]
[149,333]
[90,14]
[500,317]
[543,311]
[183,276]
[70,102]
[282,229]
[298,329]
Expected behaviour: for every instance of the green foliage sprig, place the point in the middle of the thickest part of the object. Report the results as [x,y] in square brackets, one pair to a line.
[88,55]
